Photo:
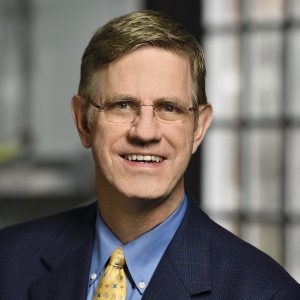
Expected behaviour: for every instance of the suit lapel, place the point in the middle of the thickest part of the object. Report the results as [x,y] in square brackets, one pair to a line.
[184,269]
[67,261]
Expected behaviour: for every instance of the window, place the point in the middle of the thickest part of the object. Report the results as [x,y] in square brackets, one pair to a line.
[251,167]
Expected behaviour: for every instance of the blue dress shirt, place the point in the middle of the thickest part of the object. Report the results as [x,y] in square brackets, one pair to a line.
[141,255]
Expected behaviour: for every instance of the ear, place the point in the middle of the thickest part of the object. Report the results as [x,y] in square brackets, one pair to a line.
[203,122]
[79,108]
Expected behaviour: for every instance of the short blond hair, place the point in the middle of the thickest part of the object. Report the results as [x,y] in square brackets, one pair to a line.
[129,32]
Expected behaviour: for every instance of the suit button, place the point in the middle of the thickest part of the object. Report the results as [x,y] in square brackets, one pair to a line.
[93,276]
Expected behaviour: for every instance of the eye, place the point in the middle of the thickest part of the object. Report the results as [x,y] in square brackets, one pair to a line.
[120,105]
[168,107]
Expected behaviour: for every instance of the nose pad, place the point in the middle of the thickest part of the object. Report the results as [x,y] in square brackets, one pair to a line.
[141,113]
[152,106]
[145,126]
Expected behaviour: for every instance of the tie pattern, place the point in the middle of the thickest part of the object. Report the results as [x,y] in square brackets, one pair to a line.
[112,285]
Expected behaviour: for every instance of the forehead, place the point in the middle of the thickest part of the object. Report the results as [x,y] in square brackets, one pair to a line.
[148,73]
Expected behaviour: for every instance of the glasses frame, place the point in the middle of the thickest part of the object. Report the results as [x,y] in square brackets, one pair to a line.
[104,107]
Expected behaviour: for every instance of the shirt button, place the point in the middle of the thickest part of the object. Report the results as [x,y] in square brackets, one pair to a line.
[142,285]
[93,276]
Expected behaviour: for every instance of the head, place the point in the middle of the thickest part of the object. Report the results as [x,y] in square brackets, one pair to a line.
[130,32]
[145,56]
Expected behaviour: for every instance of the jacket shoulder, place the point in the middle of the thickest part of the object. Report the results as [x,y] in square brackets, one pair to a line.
[26,241]
[24,247]
[236,269]
[44,228]
[252,270]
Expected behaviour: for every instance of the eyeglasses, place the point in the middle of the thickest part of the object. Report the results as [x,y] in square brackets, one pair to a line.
[123,111]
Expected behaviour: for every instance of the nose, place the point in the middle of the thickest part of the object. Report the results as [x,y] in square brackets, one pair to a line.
[145,128]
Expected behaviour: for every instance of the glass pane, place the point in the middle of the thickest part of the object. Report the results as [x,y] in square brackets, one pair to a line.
[293,73]
[293,250]
[261,170]
[221,171]
[264,10]
[223,75]
[219,12]
[294,8]
[266,237]
[293,171]
[263,74]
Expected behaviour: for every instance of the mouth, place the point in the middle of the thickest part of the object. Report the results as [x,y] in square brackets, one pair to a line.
[143,158]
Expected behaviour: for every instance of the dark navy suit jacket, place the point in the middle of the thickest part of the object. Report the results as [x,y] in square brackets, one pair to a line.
[49,259]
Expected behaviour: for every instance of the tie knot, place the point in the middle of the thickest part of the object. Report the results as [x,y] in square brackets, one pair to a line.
[117,259]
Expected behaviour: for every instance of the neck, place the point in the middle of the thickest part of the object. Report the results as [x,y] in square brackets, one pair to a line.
[130,218]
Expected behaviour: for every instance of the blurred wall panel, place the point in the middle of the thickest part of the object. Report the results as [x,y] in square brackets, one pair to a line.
[61,31]
[43,167]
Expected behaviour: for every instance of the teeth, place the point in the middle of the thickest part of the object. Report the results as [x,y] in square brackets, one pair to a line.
[142,158]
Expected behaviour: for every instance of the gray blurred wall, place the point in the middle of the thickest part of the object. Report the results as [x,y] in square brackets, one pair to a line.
[43,167]
[61,31]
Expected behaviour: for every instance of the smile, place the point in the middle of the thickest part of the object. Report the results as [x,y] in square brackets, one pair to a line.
[144,158]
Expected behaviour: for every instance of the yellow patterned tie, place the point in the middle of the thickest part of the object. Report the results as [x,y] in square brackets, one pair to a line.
[112,285]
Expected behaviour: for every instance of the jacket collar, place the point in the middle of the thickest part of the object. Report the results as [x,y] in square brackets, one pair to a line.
[185,266]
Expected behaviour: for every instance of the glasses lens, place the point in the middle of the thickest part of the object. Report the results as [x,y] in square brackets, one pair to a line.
[119,117]
[120,111]
[169,112]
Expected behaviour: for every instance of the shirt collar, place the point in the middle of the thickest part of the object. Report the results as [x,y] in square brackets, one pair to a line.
[144,253]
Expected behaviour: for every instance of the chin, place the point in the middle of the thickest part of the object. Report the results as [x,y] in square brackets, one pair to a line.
[143,195]
[141,190]
[145,188]
[148,191]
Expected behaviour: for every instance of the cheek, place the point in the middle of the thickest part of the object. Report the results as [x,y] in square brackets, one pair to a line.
[188,147]
[99,143]
[182,141]
[106,140]
[189,136]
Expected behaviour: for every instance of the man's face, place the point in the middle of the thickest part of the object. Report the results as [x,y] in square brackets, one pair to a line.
[122,150]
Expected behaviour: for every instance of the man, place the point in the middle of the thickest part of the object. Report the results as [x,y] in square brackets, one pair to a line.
[142,109]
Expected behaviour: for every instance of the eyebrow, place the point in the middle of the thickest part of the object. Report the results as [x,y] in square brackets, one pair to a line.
[114,98]
[128,97]
[176,100]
